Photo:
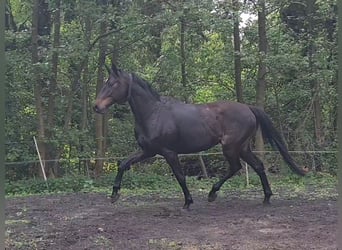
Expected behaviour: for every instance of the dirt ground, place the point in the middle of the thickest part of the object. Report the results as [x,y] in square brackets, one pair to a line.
[90,221]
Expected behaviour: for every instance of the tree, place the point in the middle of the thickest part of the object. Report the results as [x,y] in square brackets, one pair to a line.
[51,112]
[37,79]
[100,120]
[182,25]
[9,19]
[183,48]
[262,70]
[237,52]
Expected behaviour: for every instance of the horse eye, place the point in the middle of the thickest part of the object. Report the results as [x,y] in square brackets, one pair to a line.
[110,83]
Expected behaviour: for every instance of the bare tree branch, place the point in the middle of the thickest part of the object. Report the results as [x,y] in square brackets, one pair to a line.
[111,32]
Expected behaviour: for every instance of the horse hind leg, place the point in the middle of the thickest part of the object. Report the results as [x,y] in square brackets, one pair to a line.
[173,160]
[252,160]
[234,166]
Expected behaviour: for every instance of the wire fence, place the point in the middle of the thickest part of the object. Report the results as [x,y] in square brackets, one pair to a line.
[90,156]
[193,164]
[116,158]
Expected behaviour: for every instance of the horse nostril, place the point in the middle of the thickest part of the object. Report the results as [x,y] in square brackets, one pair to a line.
[95,108]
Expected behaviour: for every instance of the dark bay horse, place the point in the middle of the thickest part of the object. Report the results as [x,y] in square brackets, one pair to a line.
[169,127]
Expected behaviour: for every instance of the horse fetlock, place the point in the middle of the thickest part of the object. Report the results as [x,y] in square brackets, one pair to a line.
[116,189]
[115,194]
[187,204]
[212,196]
[114,197]
[267,198]
[268,194]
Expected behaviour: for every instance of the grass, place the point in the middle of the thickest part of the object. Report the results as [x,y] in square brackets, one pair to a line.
[164,243]
[12,222]
[312,186]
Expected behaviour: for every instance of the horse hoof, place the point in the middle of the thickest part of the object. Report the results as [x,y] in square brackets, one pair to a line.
[186,207]
[212,197]
[187,204]
[266,203]
[115,197]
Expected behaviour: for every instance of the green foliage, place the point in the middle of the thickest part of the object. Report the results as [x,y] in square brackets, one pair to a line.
[39,186]
[144,37]
[312,186]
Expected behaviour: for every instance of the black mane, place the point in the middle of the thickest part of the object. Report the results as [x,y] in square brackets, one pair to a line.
[146,86]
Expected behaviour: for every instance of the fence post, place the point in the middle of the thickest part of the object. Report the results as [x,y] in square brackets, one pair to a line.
[40,159]
[204,170]
[247,175]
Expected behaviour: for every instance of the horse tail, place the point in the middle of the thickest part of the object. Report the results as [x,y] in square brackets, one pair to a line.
[274,138]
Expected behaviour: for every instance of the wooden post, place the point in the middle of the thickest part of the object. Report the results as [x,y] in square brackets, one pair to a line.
[247,176]
[204,170]
[40,159]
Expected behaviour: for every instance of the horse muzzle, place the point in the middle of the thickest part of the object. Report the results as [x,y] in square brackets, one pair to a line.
[99,110]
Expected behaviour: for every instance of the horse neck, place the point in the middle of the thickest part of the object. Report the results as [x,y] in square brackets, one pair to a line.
[142,102]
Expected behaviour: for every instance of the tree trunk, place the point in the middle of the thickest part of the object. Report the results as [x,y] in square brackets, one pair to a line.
[44,19]
[9,20]
[261,81]
[54,171]
[237,52]
[54,65]
[37,89]
[279,119]
[84,94]
[317,107]
[85,78]
[183,56]
[100,119]
[41,26]
[76,77]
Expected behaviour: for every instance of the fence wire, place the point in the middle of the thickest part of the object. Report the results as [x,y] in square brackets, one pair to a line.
[116,158]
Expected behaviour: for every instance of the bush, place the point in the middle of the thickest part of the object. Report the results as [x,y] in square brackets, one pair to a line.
[79,183]
[39,186]
[142,183]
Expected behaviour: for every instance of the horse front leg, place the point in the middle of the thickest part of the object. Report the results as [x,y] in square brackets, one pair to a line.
[125,165]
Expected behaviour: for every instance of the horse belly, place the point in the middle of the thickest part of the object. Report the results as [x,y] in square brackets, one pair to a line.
[194,140]
[184,148]
[192,131]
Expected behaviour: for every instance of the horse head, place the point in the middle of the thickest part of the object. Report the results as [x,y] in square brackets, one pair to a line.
[115,90]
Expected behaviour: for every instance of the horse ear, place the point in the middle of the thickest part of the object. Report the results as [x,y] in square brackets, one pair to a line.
[115,69]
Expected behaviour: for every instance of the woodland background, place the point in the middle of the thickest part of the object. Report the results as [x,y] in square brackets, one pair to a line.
[284,59]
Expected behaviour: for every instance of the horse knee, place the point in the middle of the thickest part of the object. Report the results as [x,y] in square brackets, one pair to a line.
[124,166]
